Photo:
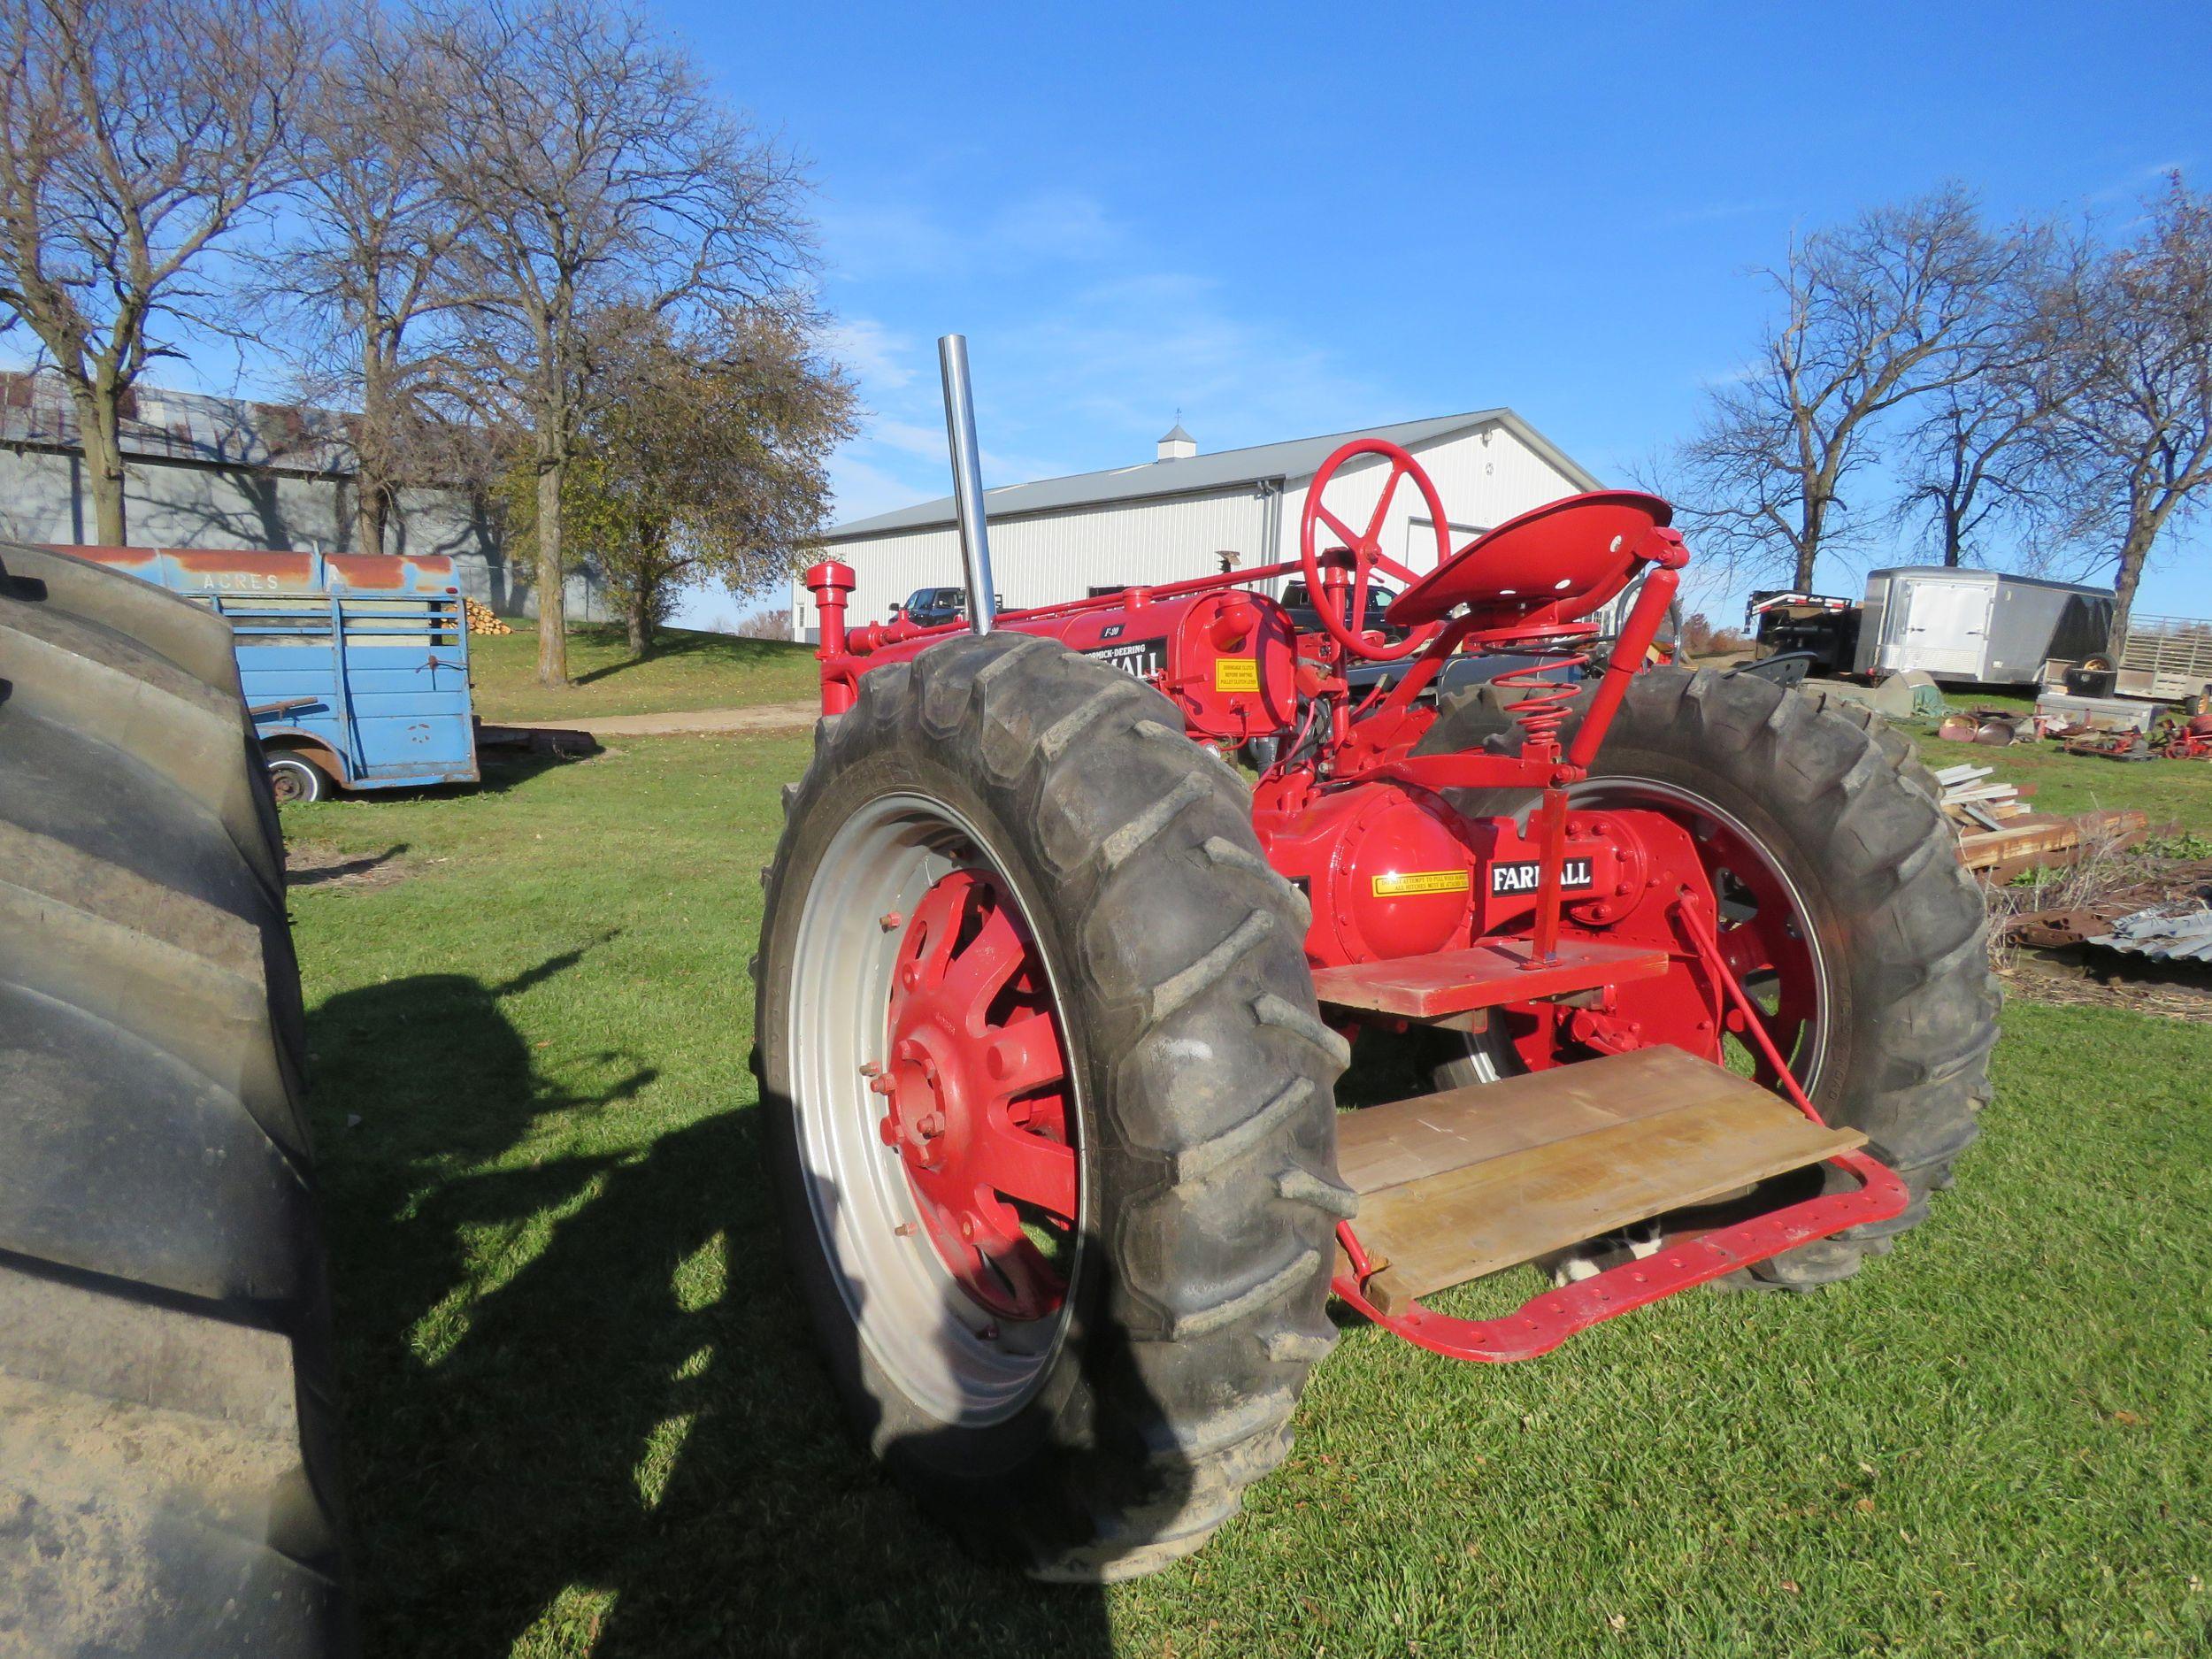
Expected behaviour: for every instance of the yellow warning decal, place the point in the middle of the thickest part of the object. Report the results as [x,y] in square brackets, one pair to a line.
[1398,885]
[1236,674]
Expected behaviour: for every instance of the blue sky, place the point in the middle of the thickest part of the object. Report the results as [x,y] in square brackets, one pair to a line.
[1294,219]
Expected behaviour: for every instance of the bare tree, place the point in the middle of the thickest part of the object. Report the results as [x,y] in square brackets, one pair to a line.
[704,456]
[135,137]
[372,265]
[1892,306]
[1979,463]
[596,171]
[2135,434]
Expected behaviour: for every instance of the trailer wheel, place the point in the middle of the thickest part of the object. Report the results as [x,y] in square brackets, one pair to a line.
[166,1473]
[1050,1105]
[1819,826]
[294,779]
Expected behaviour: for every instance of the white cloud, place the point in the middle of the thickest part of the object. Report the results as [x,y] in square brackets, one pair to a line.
[880,357]
[903,240]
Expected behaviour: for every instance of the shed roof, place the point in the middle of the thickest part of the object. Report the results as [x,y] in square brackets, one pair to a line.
[35,412]
[1199,474]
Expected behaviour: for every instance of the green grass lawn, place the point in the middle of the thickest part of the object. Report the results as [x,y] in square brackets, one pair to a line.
[582,1414]
[686,671]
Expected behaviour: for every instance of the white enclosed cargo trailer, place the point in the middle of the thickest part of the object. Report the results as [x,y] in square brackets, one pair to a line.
[1977,627]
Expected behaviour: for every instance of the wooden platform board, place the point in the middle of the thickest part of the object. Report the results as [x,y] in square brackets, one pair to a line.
[1451,982]
[1461,1184]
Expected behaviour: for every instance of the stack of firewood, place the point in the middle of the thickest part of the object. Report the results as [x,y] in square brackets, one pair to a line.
[482,619]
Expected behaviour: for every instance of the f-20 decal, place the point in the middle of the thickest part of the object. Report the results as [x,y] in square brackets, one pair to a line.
[1527,876]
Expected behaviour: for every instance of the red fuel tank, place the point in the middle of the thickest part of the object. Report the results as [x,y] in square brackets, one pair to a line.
[1224,658]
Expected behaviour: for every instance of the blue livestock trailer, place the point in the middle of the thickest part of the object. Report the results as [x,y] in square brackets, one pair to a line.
[354,667]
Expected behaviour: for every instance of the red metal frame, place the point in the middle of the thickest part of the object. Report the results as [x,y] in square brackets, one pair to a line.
[1543,1322]
[1396,874]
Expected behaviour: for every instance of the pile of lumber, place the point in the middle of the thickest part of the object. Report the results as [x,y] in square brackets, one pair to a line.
[482,619]
[1999,837]
[1972,802]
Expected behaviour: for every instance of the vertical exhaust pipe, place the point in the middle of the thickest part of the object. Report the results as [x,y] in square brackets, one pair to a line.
[967,483]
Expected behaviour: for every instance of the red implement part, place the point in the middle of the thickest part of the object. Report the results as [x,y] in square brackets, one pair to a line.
[1498,971]
[1339,598]
[1544,1321]
[974,1087]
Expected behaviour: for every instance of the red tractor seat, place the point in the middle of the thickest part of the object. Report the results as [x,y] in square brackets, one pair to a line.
[1552,566]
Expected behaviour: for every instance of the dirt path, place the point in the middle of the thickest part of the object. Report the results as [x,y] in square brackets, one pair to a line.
[765,717]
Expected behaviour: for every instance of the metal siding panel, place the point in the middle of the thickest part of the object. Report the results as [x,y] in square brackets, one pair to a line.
[1485,477]
[1041,560]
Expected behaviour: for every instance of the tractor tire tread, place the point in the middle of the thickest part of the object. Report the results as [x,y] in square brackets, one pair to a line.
[166,1438]
[1215,1094]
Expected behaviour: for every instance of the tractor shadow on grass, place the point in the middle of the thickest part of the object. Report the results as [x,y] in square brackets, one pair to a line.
[582,1409]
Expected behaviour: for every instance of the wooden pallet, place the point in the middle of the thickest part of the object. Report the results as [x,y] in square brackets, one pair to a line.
[1458,1185]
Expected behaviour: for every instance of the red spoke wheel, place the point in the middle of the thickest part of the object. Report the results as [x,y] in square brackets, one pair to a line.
[1812,833]
[1340,599]
[1684,842]
[1047,1105]
[975,1090]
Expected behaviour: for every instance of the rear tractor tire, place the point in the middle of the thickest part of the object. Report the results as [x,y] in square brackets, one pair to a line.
[1050,1105]
[167,1478]
[1839,873]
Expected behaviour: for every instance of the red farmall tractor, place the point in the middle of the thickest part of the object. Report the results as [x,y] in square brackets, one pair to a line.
[1054,999]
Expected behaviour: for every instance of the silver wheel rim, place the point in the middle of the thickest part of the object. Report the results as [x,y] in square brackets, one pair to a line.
[948,1355]
[303,781]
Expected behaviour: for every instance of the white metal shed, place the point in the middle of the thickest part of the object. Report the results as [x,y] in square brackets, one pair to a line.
[1180,514]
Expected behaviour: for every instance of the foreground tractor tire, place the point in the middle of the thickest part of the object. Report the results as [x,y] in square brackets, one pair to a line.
[167,1477]
[1859,865]
[1050,1105]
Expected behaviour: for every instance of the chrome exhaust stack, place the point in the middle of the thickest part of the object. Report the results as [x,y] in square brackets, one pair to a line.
[967,483]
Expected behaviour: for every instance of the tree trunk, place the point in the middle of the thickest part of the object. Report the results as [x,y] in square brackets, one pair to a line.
[99,429]
[368,512]
[2133,551]
[1812,519]
[637,612]
[552,616]
[368,472]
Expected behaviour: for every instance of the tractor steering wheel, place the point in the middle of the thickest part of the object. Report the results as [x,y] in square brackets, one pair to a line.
[1344,617]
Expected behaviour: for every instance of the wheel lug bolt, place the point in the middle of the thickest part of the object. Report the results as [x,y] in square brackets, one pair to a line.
[904,1229]
[909,976]
[887,1130]
[882,1085]
[890,921]
[967,1228]
[868,1068]
[931,1124]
